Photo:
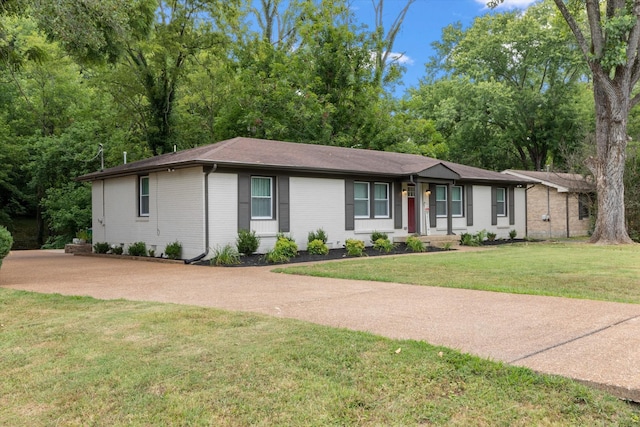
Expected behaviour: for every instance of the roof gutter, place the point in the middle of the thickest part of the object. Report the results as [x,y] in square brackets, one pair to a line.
[207,170]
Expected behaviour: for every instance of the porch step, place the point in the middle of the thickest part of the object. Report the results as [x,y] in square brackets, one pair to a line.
[433,240]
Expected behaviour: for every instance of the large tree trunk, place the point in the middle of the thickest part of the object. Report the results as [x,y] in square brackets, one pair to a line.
[608,168]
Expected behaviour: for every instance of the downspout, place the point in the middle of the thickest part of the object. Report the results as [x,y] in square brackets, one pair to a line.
[567,214]
[207,170]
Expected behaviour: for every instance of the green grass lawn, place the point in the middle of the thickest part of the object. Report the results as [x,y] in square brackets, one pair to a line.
[80,361]
[610,273]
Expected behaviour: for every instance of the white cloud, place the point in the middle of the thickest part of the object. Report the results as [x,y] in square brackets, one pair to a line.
[400,58]
[511,4]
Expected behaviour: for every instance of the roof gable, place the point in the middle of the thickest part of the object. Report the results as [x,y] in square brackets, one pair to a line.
[563,182]
[439,171]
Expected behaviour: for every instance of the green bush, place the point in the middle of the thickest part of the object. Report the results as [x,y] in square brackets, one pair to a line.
[415,244]
[247,242]
[319,234]
[6,242]
[173,250]
[383,245]
[468,239]
[317,247]
[117,250]
[137,249]
[354,247]
[226,255]
[377,235]
[491,236]
[101,247]
[284,249]
[513,234]
[480,236]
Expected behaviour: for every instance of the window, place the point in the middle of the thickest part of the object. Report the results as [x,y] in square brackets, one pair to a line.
[456,201]
[441,200]
[583,206]
[261,197]
[381,200]
[361,199]
[143,191]
[501,201]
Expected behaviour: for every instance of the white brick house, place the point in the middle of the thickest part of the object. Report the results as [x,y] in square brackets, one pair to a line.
[203,196]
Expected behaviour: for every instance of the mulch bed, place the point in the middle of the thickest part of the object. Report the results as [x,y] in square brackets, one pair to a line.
[258,260]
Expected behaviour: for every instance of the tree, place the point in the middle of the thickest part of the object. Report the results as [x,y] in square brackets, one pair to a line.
[611,49]
[531,70]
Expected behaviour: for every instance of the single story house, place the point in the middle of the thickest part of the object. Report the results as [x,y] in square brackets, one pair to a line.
[558,204]
[203,196]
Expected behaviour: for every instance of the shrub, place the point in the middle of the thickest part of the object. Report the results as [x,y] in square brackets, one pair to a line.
[226,255]
[173,250]
[101,247]
[247,242]
[513,234]
[317,247]
[284,249]
[137,249]
[319,234]
[468,239]
[354,247]
[383,245]
[480,236]
[377,235]
[117,250]
[415,244]
[6,242]
[447,246]
[491,236]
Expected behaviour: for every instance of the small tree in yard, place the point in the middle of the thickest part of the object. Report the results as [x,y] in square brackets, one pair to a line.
[611,51]
[6,241]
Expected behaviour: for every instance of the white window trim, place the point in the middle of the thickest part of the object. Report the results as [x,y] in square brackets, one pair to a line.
[270,197]
[461,201]
[446,204]
[387,200]
[142,195]
[503,202]
[368,199]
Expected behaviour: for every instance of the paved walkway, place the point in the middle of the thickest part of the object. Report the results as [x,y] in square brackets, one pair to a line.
[591,341]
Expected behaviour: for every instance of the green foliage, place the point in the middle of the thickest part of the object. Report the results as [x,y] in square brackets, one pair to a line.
[284,249]
[376,235]
[383,245]
[415,244]
[227,255]
[117,250]
[468,239]
[481,236]
[101,247]
[173,250]
[319,234]
[247,242]
[137,249]
[317,247]
[6,241]
[513,234]
[491,236]
[447,246]
[354,247]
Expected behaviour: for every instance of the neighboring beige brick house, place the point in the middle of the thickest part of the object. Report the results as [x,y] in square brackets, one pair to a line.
[558,205]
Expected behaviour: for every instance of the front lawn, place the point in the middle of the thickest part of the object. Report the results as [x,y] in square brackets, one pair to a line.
[610,273]
[81,361]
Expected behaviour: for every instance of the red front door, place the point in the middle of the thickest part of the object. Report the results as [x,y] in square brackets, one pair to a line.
[411,208]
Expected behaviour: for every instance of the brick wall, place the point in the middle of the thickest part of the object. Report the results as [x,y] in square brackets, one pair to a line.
[540,202]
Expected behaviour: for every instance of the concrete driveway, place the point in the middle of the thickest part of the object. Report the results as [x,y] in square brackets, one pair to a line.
[591,341]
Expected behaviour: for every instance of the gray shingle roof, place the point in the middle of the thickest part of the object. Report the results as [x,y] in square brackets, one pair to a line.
[564,182]
[259,153]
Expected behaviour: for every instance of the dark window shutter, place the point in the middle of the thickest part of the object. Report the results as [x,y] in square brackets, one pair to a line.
[349,205]
[433,220]
[469,207]
[244,201]
[512,205]
[397,204]
[284,222]
[494,206]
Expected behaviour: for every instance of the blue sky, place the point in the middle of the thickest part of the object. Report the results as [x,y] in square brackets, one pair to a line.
[423,25]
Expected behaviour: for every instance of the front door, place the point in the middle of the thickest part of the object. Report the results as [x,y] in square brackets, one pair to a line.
[411,208]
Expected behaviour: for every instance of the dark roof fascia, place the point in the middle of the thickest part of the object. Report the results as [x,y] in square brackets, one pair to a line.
[142,170]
